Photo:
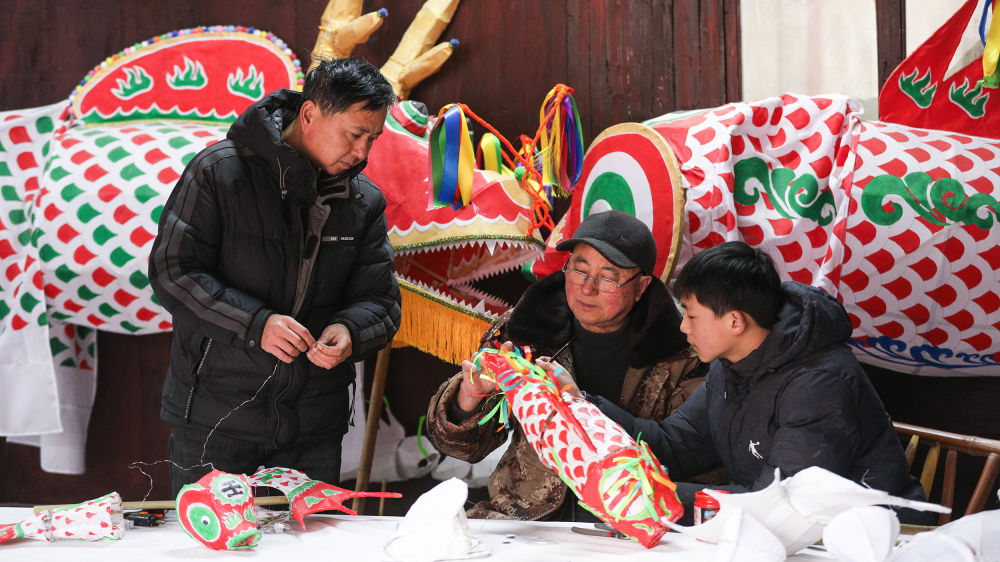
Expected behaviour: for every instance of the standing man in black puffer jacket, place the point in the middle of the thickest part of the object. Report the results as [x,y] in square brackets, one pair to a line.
[783,389]
[273,258]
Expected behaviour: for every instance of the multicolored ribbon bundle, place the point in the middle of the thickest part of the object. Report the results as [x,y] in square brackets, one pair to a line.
[543,173]
[452,158]
[562,140]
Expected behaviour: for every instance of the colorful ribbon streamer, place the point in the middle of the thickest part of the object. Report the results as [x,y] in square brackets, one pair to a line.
[452,159]
[562,140]
[489,155]
[991,52]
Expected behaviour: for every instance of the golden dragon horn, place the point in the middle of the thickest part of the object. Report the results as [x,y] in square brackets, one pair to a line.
[341,28]
[414,59]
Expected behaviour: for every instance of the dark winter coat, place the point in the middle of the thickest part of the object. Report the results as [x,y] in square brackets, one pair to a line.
[251,229]
[800,399]
[662,373]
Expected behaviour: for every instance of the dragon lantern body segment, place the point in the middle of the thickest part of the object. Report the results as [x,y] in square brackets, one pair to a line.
[898,219]
[899,223]
[94,520]
[218,511]
[615,478]
[307,496]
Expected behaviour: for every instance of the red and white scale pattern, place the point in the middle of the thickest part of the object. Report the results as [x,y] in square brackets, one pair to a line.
[801,134]
[559,445]
[77,217]
[933,289]
[915,281]
[582,454]
[94,520]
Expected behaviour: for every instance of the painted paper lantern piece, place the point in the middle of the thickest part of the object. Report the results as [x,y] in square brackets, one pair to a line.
[91,179]
[616,478]
[218,511]
[38,527]
[307,496]
[93,520]
[896,222]
[489,236]
[206,74]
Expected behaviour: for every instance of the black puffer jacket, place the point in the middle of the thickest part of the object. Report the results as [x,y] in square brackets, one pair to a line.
[800,399]
[252,228]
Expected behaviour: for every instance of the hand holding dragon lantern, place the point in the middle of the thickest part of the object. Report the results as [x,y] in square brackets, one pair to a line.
[615,477]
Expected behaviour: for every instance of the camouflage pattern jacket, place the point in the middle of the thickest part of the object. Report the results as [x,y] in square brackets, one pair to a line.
[662,373]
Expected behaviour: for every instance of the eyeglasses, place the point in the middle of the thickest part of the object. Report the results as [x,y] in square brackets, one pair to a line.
[604,285]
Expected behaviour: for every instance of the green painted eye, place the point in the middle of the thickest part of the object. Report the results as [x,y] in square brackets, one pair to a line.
[204,521]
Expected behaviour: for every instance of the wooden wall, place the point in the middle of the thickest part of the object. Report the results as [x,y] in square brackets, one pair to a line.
[626,60]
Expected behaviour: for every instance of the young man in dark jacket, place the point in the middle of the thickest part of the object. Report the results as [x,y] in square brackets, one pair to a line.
[783,390]
[273,259]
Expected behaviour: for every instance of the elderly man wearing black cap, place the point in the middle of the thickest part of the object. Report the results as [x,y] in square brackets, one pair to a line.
[611,324]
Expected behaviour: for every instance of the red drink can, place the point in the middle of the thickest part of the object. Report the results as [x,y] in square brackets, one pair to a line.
[705,506]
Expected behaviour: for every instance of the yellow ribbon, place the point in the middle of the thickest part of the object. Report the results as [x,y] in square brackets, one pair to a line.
[991,52]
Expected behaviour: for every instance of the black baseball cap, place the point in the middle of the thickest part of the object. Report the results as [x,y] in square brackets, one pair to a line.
[621,238]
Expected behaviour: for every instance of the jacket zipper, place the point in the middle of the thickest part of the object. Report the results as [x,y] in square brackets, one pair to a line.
[197,377]
[307,263]
[732,422]
[301,287]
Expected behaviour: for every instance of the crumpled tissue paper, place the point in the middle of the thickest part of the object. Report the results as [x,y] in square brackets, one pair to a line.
[435,528]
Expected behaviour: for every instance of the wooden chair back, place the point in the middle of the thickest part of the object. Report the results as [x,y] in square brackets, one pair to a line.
[952,443]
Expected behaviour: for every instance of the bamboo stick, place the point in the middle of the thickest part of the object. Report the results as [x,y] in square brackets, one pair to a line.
[166,504]
[371,428]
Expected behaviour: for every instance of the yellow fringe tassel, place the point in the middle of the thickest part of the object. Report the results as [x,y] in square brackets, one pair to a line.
[438,327]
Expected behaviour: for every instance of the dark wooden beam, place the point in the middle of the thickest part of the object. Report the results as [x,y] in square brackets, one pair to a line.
[734,66]
[890,22]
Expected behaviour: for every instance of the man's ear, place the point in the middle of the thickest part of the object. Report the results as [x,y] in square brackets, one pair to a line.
[307,112]
[644,281]
[737,322]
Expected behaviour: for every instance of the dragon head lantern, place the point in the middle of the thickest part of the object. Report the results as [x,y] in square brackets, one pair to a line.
[442,251]
[218,511]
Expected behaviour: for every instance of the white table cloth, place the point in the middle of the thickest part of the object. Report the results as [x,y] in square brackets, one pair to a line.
[342,537]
